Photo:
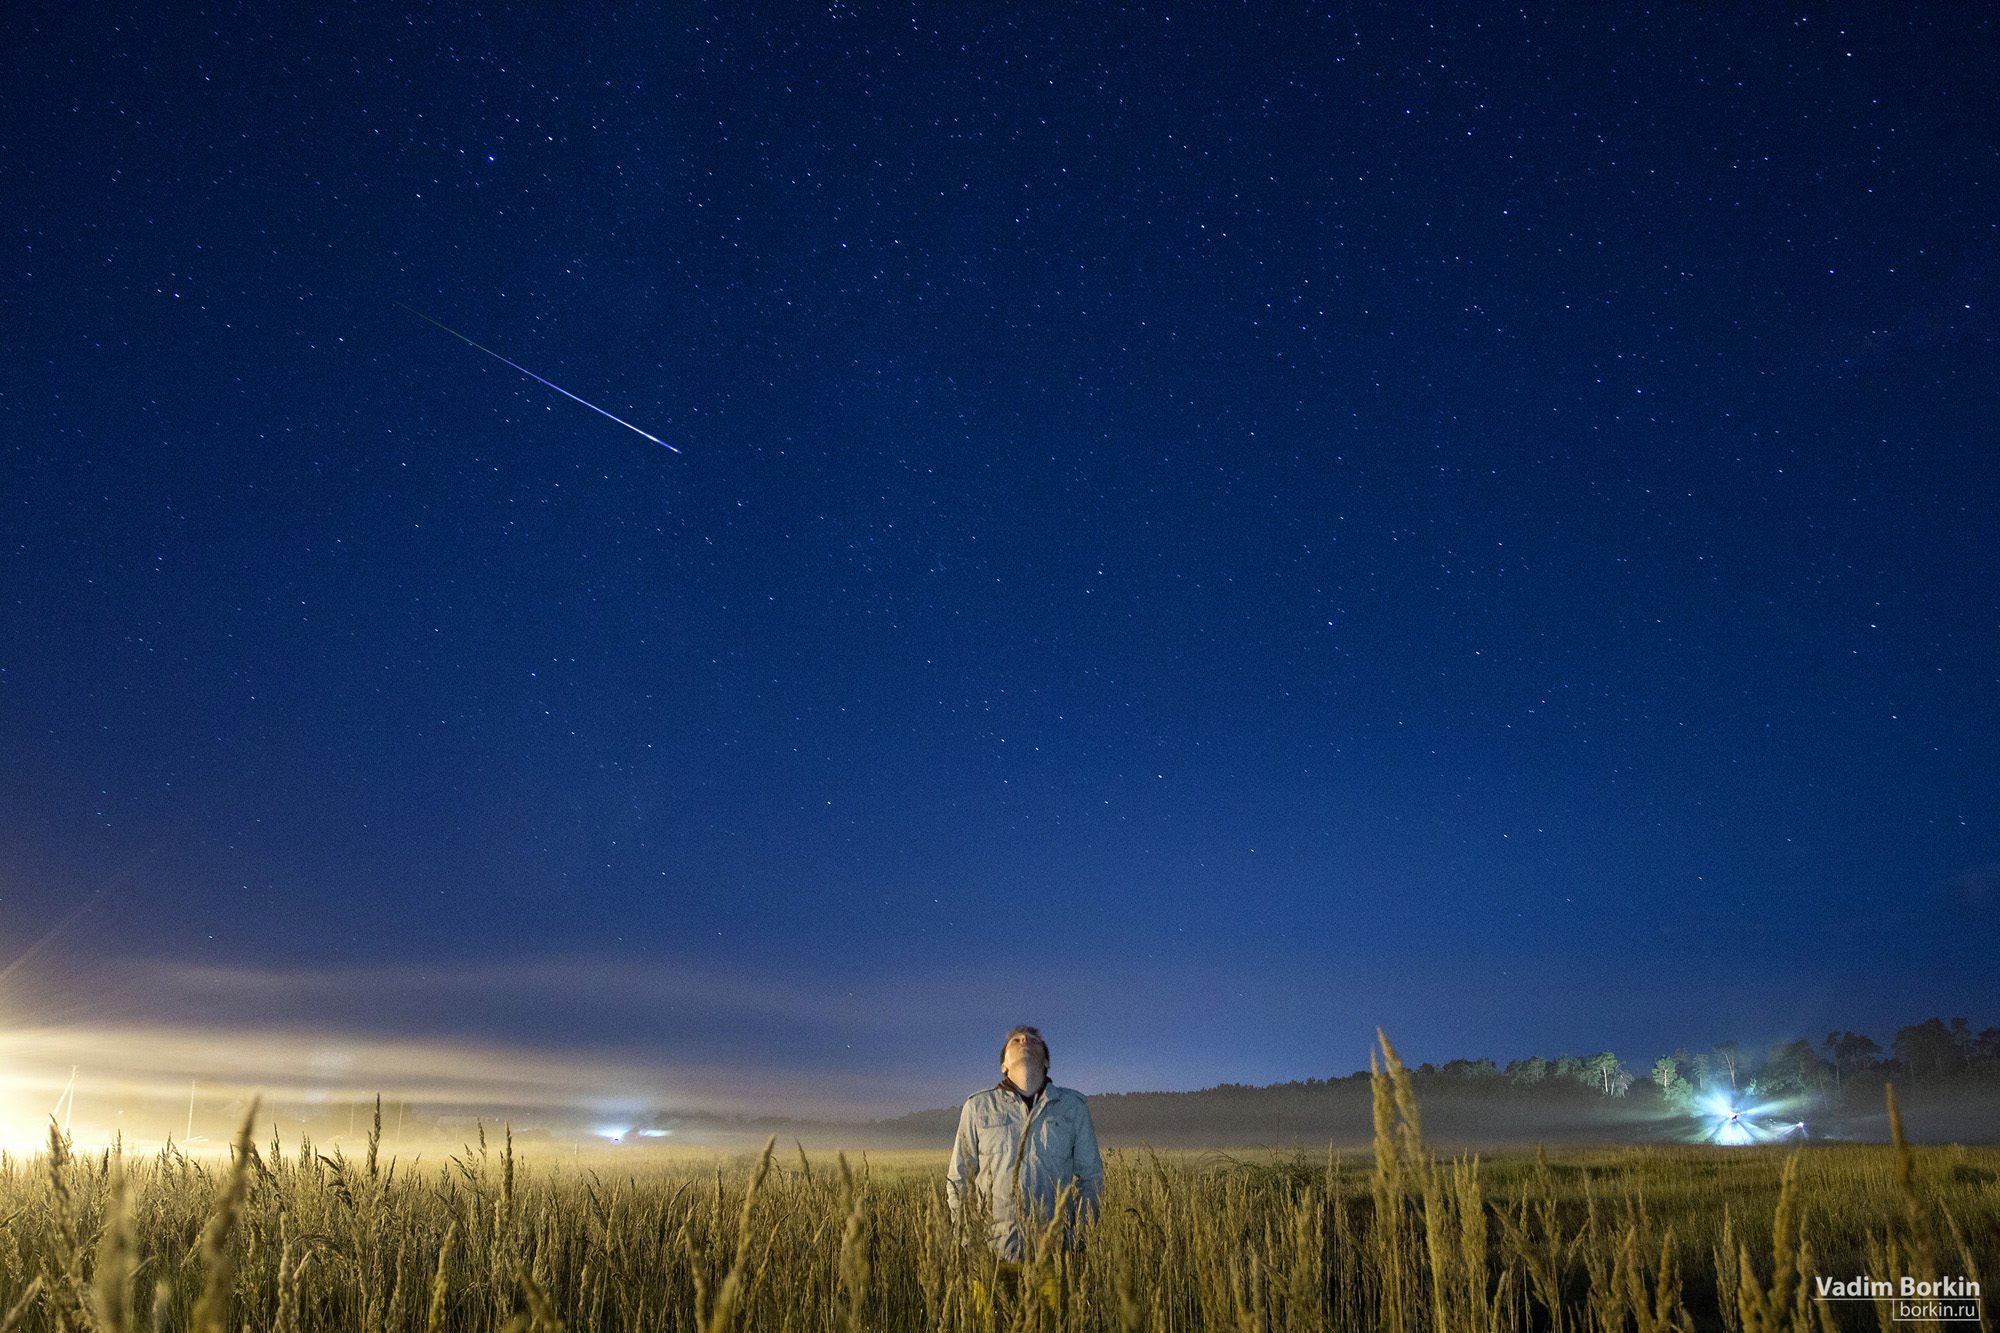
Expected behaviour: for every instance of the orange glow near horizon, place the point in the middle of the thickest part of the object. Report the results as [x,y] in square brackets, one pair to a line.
[144,1086]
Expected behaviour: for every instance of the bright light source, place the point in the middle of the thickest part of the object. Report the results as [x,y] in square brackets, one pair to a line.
[1726,1123]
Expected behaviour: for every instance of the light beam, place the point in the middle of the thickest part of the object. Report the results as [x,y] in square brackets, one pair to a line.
[1727,1121]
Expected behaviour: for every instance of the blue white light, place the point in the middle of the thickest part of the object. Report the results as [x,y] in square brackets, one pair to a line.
[1727,1121]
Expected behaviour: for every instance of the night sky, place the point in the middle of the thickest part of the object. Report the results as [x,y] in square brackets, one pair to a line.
[1204,531]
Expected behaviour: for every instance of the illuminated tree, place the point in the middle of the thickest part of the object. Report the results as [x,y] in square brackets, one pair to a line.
[1675,1088]
[1729,1055]
[1610,1078]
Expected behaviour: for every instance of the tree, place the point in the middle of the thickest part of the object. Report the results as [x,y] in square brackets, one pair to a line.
[1927,1049]
[1470,1070]
[1667,1073]
[1849,1053]
[1610,1078]
[1528,1072]
[1792,1068]
[1729,1055]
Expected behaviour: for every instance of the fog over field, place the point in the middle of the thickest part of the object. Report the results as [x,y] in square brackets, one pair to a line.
[135,1082]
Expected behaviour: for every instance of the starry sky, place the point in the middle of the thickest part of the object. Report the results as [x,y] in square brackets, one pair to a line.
[1208,529]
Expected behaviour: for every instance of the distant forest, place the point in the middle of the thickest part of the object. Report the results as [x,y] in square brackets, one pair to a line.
[1946,1073]
[1925,1052]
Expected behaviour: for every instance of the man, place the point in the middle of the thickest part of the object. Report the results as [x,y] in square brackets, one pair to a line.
[1020,1142]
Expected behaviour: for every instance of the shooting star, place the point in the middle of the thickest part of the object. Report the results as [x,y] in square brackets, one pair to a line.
[533,376]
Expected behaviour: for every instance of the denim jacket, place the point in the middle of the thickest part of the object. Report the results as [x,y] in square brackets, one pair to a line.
[1019,1157]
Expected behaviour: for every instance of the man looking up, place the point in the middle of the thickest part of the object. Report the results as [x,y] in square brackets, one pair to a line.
[1020,1142]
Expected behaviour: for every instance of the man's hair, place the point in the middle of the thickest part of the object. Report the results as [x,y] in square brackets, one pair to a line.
[1033,1034]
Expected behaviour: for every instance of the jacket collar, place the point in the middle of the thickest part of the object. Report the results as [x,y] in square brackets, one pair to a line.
[1048,1092]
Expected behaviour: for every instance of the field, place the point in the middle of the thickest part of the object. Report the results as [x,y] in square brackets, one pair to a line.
[282,1237]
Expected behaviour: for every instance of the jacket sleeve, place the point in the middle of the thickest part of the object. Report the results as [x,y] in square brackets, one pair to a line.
[964,1168]
[1089,1165]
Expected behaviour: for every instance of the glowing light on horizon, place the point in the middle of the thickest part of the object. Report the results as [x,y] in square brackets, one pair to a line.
[1736,1124]
[131,1086]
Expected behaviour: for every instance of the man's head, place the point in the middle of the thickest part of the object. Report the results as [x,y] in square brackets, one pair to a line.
[1025,1059]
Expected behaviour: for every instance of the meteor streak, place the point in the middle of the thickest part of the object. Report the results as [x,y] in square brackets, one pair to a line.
[533,376]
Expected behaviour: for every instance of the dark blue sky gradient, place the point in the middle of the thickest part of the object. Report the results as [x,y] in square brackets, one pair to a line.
[1209,532]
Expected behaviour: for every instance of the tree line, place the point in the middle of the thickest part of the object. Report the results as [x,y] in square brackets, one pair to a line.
[1935,1050]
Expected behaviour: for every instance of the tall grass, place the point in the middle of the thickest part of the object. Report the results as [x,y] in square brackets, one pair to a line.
[297,1240]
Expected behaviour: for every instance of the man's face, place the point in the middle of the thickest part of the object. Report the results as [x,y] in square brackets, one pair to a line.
[1024,1063]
